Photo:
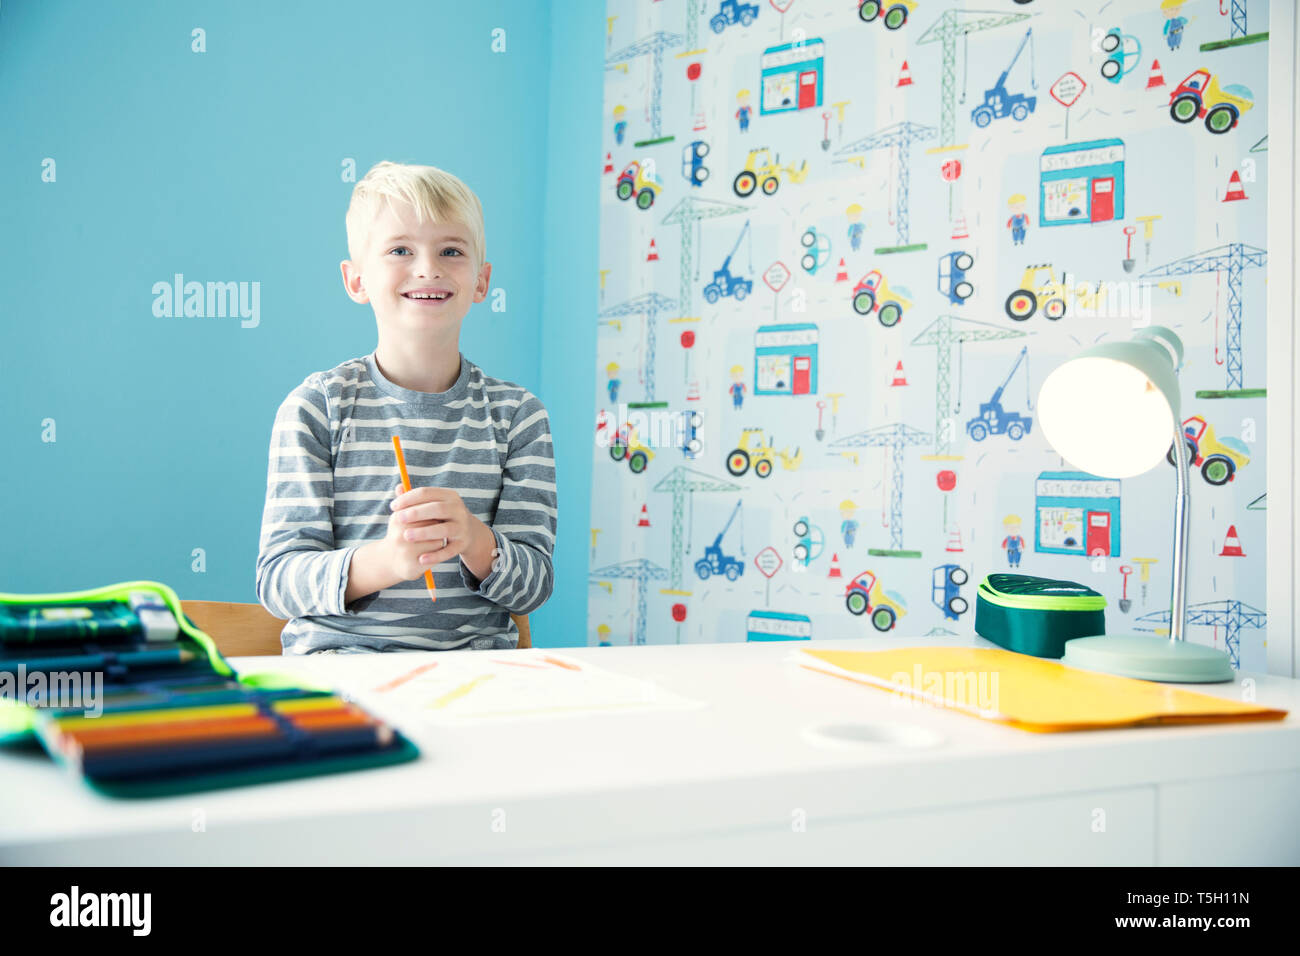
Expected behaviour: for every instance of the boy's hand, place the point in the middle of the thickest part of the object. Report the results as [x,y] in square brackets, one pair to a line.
[422,518]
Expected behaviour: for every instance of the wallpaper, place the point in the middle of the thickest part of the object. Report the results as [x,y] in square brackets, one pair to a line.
[843,244]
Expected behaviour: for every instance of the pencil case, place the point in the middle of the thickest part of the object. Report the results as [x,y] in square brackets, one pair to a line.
[1036,615]
[165,717]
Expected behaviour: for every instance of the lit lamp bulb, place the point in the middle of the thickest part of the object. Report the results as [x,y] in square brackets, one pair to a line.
[1081,402]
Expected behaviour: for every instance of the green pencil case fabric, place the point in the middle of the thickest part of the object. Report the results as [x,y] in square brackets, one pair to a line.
[1036,616]
[26,716]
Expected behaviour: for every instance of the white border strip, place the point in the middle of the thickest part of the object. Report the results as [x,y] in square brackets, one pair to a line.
[1283,357]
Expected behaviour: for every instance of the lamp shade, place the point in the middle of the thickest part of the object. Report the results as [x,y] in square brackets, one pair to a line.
[1112,409]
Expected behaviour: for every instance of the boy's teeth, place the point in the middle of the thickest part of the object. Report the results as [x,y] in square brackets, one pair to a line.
[426,295]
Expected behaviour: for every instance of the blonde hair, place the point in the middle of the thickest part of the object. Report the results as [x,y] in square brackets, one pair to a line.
[433,193]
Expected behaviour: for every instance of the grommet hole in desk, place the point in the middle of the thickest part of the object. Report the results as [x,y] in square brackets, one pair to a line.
[871,736]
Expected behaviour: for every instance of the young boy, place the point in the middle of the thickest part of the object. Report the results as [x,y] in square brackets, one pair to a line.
[343,551]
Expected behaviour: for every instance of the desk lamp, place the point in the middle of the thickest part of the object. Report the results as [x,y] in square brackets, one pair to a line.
[1110,411]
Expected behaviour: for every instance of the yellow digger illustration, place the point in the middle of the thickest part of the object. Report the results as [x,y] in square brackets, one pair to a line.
[752,451]
[1041,289]
[763,171]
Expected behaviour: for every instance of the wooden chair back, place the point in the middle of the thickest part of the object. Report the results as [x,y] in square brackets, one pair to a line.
[250,630]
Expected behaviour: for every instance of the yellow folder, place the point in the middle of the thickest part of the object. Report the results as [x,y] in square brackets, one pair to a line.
[1028,692]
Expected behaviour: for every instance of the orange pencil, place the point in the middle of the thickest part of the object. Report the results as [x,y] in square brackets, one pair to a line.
[406,486]
[325,721]
[152,736]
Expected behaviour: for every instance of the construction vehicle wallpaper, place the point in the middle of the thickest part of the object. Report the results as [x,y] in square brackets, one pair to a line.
[861,237]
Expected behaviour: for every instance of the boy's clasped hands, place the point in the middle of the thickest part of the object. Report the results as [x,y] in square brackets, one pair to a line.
[429,526]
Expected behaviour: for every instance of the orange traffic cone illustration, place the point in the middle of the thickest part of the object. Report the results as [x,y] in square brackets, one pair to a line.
[959,228]
[899,377]
[645,518]
[835,567]
[954,540]
[904,76]
[1235,191]
[842,274]
[609,163]
[1156,78]
[1232,544]
[654,253]
[693,390]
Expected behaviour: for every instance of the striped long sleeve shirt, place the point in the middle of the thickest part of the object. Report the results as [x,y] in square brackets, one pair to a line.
[330,479]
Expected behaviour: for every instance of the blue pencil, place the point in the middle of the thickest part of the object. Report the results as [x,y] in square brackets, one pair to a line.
[110,764]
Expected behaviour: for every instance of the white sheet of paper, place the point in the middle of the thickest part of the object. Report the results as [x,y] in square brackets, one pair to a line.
[487,686]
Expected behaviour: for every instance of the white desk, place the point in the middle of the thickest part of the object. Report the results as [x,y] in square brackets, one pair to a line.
[727,784]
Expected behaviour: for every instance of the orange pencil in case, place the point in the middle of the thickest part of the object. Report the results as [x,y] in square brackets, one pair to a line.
[406,486]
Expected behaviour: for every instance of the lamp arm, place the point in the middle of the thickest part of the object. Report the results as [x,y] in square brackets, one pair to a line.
[1178,599]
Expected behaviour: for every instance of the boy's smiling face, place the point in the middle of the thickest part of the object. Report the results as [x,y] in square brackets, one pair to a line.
[419,277]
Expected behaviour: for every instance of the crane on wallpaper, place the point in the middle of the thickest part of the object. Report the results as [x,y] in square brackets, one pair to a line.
[650,305]
[895,437]
[900,135]
[685,214]
[946,30]
[943,333]
[640,571]
[654,45]
[681,482]
[1234,258]
[1232,616]
[1237,32]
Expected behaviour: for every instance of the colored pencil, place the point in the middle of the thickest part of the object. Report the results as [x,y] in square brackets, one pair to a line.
[177,655]
[362,738]
[187,757]
[406,486]
[93,662]
[113,705]
[224,754]
[216,712]
[119,737]
[315,722]
[331,702]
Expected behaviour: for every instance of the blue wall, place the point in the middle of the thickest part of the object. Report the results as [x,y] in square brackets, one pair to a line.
[227,166]
[568,341]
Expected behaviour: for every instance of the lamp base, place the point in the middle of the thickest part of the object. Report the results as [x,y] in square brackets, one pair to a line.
[1148,657]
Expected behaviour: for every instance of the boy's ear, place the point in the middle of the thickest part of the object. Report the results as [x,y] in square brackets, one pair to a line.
[484,282]
[352,282]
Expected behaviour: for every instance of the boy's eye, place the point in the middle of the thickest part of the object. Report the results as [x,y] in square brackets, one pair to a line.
[391,251]
[452,251]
